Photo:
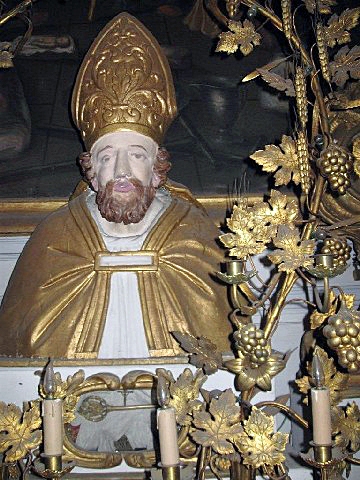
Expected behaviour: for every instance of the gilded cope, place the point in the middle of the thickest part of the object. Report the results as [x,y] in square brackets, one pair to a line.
[129,259]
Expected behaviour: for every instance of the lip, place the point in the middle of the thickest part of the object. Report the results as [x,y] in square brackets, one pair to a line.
[123,186]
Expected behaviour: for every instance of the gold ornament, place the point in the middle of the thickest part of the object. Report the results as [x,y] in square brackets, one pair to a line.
[184,394]
[277,81]
[251,342]
[303,157]
[283,160]
[334,380]
[253,227]
[356,154]
[249,374]
[19,431]
[323,52]
[335,165]
[259,444]
[338,249]
[343,335]
[292,252]
[124,83]
[232,7]
[338,27]
[346,64]
[301,97]
[220,427]
[242,36]
[203,353]
[323,6]
[345,422]
[286,18]
[317,318]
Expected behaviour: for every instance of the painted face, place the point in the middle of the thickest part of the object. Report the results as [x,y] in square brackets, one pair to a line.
[124,179]
[122,156]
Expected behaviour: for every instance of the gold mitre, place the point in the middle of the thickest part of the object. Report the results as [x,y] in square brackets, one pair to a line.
[124,83]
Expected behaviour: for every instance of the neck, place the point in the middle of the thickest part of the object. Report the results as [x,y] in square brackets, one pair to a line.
[121,230]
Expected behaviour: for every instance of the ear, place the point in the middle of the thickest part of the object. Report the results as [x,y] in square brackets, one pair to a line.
[155,181]
[95,184]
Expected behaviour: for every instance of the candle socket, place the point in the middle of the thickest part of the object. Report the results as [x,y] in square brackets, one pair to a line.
[324,260]
[171,472]
[234,267]
[322,453]
[52,462]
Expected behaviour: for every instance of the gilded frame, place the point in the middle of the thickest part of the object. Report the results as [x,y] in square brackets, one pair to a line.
[20,216]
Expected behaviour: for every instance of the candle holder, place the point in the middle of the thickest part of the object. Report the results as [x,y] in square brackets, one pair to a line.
[170,472]
[324,458]
[52,466]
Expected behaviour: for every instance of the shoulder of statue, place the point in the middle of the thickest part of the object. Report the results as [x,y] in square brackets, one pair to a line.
[181,192]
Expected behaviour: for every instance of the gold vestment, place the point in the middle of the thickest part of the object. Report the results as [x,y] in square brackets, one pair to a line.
[56,301]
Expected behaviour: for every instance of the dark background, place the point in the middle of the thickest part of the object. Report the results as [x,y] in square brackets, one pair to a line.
[221,120]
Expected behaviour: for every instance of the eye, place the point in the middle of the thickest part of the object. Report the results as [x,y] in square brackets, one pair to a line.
[137,155]
[105,159]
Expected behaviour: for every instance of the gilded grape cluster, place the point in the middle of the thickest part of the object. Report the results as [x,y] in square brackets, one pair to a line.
[251,342]
[339,249]
[335,164]
[343,336]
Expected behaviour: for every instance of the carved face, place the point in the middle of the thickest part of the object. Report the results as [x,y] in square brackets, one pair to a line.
[123,155]
[124,177]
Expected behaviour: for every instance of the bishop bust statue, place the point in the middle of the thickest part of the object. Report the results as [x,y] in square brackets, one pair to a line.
[130,258]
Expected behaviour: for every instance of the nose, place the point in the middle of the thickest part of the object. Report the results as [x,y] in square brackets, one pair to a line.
[122,164]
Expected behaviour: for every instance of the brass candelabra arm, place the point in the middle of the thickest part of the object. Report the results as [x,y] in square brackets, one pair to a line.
[284,408]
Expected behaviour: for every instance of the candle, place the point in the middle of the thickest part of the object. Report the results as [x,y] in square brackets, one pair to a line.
[169,449]
[320,404]
[53,426]
[52,412]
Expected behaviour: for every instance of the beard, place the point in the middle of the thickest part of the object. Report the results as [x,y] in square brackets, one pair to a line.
[126,207]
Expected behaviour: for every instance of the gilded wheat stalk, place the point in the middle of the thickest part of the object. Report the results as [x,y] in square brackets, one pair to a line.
[323,53]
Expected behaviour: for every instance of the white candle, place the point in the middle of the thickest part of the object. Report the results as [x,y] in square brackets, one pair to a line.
[321,416]
[53,426]
[169,449]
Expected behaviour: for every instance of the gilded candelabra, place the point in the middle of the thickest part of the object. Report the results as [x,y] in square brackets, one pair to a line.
[300,238]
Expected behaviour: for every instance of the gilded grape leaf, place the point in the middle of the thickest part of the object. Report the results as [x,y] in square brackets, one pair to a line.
[243,243]
[258,443]
[346,425]
[317,318]
[292,253]
[346,64]
[283,160]
[19,431]
[203,353]
[220,427]
[338,27]
[334,380]
[242,36]
[184,395]
[269,66]
[278,82]
[323,6]
[281,212]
